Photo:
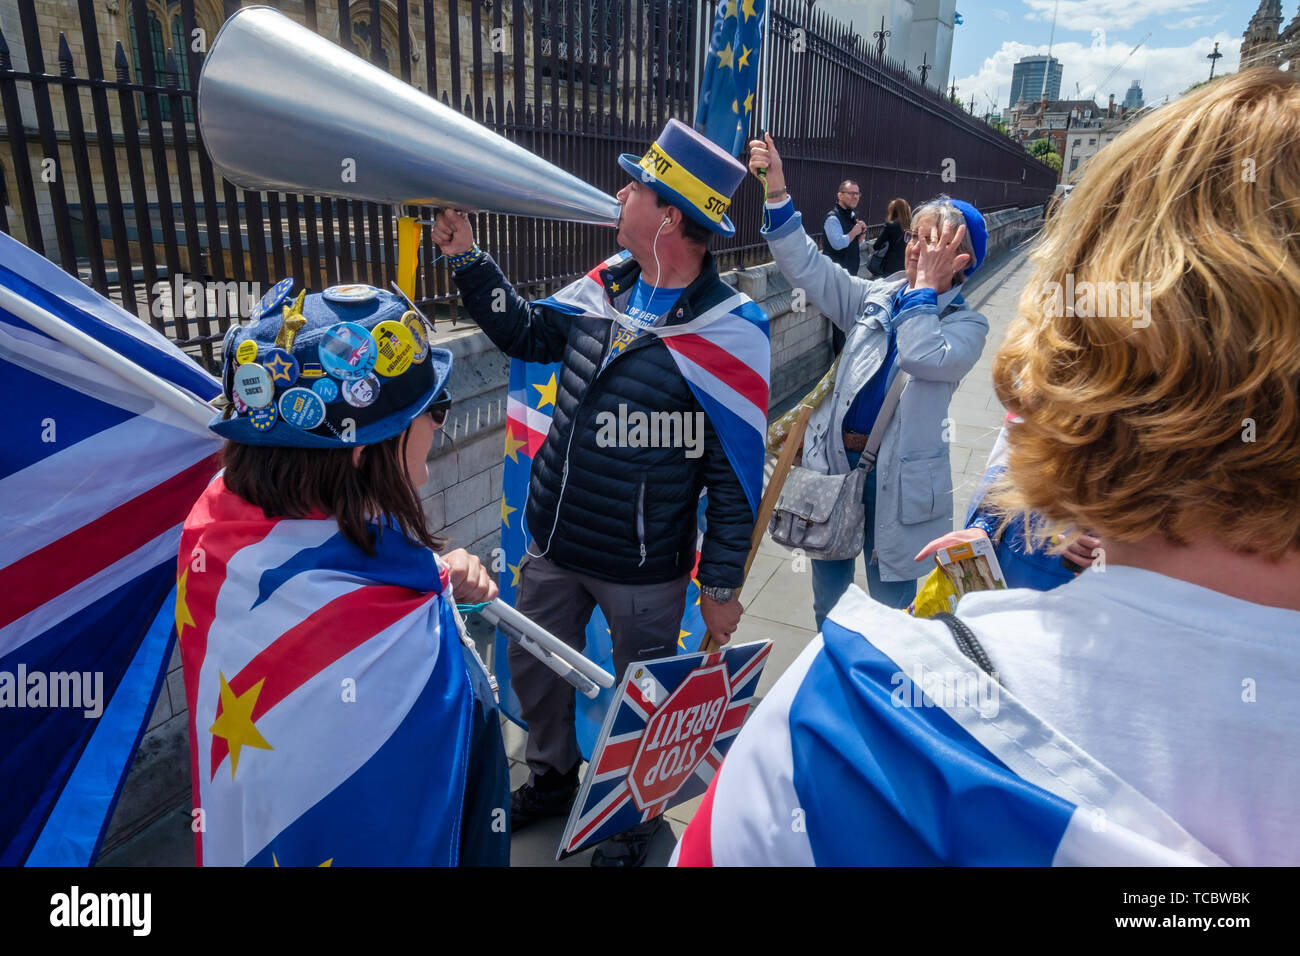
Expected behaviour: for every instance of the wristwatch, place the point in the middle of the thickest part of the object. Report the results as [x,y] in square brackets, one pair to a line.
[721,595]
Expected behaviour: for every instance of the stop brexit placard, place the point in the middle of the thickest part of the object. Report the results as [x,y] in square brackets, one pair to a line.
[664,737]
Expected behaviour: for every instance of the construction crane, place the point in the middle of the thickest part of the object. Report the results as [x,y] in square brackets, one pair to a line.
[1102,84]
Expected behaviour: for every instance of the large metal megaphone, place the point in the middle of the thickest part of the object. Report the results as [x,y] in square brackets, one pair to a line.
[285,110]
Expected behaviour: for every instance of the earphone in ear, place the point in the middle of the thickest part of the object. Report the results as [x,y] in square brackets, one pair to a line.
[667,221]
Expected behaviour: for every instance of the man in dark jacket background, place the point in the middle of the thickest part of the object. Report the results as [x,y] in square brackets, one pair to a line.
[844,230]
[614,523]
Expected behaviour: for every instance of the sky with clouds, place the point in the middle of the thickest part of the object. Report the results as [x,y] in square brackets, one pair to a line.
[1092,39]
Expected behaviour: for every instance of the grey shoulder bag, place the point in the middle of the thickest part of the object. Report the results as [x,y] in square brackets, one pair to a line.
[823,514]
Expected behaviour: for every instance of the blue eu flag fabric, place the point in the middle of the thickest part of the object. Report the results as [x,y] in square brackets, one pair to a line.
[729,89]
[528,420]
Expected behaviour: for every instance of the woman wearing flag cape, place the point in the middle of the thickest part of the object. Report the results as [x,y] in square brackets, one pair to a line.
[336,718]
[1147,713]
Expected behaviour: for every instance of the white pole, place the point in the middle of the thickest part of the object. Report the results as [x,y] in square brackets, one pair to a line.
[1051,40]
[161,391]
[765,81]
[699,26]
[500,613]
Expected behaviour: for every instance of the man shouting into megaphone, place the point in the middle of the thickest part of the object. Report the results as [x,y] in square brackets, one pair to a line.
[652,335]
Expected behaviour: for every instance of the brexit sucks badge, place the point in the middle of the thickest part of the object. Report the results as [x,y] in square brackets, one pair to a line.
[663,739]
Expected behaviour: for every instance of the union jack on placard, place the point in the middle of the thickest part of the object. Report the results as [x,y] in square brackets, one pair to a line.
[673,722]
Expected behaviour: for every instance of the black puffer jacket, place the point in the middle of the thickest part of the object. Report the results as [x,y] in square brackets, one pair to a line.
[627,514]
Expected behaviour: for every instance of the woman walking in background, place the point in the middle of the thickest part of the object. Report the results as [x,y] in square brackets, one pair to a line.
[891,242]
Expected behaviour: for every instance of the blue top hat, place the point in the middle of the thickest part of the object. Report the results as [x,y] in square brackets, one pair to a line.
[691,172]
[345,367]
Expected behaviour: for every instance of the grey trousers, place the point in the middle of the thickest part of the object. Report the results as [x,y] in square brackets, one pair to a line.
[644,623]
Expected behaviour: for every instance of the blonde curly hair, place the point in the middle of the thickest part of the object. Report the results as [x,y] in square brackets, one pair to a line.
[1179,419]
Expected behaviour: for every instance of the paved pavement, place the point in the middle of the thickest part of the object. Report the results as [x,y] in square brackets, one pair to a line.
[778,593]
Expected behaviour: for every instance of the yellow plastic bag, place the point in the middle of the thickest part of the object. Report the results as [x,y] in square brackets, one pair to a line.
[935,595]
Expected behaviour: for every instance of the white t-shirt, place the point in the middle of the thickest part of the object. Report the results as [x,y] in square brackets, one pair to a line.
[1189,695]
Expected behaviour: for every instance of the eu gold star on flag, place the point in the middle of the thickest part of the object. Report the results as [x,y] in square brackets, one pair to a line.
[680,636]
[727,57]
[513,445]
[514,575]
[506,511]
[183,615]
[747,8]
[548,393]
[744,57]
[235,725]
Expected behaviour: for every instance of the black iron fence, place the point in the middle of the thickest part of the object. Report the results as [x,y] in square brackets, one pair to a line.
[106,173]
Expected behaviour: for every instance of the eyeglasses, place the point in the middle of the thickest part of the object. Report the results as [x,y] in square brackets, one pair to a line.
[440,407]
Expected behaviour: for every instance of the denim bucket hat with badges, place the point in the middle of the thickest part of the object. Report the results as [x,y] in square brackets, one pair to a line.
[348,366]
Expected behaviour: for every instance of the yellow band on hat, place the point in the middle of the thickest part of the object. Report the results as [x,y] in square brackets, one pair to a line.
[663,168]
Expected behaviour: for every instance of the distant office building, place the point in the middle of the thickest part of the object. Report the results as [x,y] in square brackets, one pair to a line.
[1027,79]
[1133,98]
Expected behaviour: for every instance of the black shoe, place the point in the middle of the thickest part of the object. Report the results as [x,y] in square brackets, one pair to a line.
[629,848]
[549,795]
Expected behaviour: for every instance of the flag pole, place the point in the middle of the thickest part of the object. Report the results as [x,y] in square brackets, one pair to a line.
[793,442]
[765,80]
[165,393]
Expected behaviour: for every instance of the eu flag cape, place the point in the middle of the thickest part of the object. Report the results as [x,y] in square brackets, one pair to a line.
[883,746]
[96,477]
[332,705]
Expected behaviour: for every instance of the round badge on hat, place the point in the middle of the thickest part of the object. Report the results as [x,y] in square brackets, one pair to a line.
[246,352]
[302,408]
[263,419]
[274,298]
[326,389]
[348,351]
[396,348]
[281,366]
[240,406]
[350,294]
[361,392]
[415,323]
[253,385]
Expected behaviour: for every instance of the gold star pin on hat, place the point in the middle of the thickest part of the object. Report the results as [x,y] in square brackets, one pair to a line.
[292,322]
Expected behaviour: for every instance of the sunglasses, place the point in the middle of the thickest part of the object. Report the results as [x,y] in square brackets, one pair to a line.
[440,407]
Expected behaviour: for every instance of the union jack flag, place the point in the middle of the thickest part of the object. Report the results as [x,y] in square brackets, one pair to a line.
[99,465]
[673,722]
